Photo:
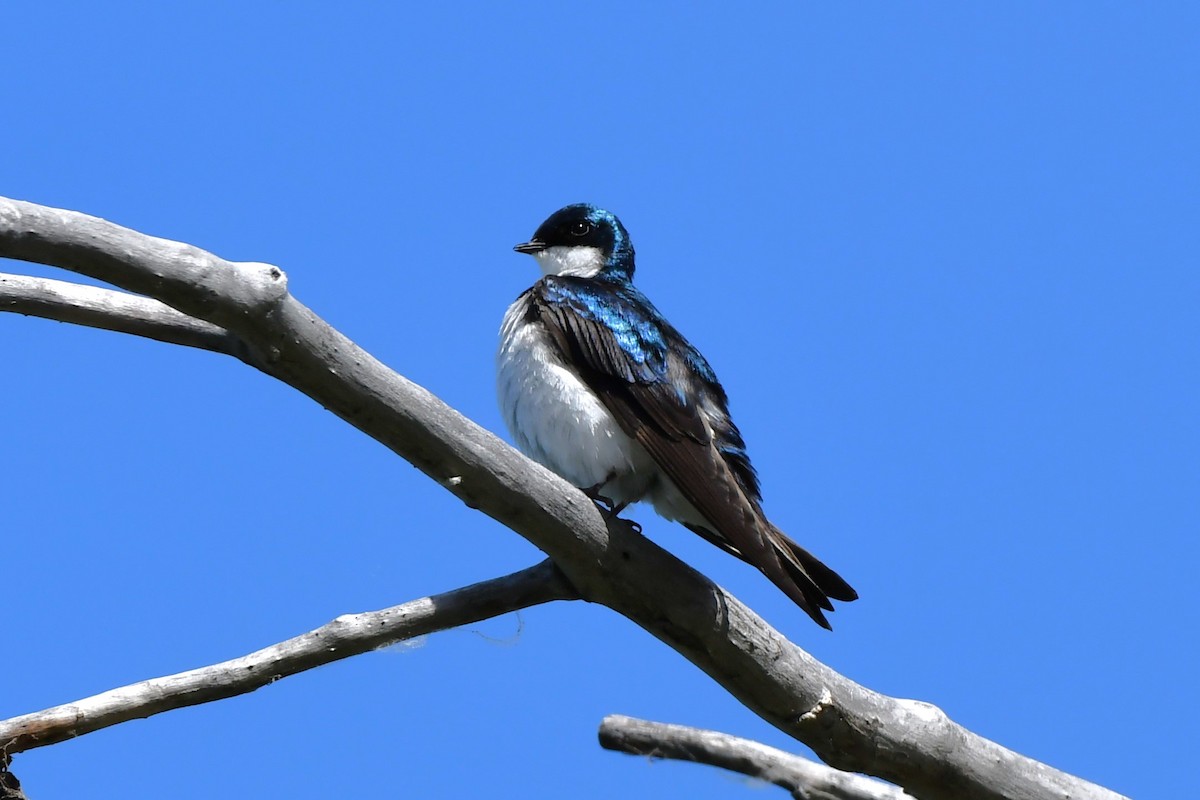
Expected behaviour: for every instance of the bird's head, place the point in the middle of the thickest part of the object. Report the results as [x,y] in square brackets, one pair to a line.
[584,241]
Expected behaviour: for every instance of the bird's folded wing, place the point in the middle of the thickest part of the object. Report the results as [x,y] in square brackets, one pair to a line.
[631,379]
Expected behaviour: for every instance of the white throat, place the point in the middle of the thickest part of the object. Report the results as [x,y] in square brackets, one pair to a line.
[578,262]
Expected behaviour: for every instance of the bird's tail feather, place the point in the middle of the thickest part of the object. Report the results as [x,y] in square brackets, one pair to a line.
[807,581]
[796,572]
[826,579]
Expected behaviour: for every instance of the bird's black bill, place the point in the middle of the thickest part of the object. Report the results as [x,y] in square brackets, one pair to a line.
[530,247]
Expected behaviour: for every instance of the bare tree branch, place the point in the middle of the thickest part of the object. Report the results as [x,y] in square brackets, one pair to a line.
[805,779]
[905,742]
[346,636]
[111,310]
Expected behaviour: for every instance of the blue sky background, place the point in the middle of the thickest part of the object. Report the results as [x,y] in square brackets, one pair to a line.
[943,257]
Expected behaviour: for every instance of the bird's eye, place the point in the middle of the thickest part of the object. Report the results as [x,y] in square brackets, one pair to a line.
[580,228]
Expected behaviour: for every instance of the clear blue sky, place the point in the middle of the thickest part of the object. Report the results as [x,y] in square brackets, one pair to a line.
[943,257]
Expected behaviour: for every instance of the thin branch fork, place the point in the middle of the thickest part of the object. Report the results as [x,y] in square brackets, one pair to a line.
[96,307]
[806,780]
[348,635]
[909,743]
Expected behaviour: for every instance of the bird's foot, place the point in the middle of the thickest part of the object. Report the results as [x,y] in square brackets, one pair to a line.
[607,504]
[609,507]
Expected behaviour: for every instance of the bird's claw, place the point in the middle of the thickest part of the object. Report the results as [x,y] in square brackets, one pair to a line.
[609,507]
[605,504]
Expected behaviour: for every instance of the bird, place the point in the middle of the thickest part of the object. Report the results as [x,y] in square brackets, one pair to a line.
[597,386]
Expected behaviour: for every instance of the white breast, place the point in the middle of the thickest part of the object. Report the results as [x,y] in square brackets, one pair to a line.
[557,421]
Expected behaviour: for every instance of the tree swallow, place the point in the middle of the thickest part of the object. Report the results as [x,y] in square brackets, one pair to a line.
[597,386]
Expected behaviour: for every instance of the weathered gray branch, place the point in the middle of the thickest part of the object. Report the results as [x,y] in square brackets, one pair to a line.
[805,779]
[850,727]
[97,307]
[346,636]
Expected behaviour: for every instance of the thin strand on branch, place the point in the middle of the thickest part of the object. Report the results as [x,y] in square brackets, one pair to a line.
[346,636]
[10,787]
[805,779]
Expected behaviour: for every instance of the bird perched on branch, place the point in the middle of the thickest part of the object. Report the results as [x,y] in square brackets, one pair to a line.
[597,386]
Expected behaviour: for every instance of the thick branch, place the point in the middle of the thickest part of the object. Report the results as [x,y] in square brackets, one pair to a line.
[346,636]
[905,742]
[805,779]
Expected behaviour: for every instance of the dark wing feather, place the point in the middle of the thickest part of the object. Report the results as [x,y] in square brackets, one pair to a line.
[568,309]
[626,360]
